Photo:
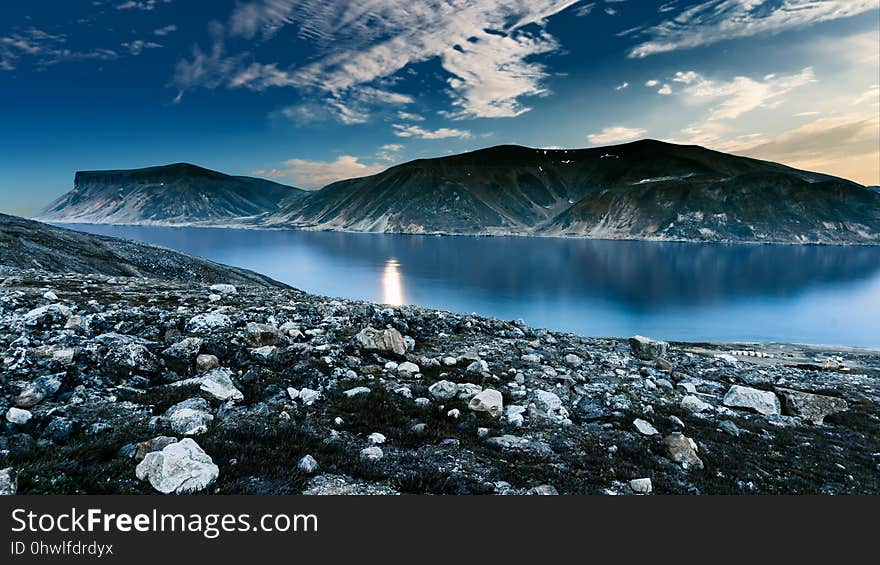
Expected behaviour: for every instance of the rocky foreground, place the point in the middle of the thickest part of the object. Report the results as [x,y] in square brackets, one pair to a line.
[134,385]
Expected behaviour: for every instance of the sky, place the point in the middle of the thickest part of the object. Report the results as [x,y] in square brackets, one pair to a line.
[306,92]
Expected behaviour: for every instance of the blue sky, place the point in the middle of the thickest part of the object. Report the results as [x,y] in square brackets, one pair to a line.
[310,91]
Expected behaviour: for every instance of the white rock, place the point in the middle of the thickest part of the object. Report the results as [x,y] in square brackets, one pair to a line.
[531,358]
[450,361]
[224,289]
[644,427]
[549,406]
[489,400]
[478,367]
[454,413]
[180,468]
[443,390]
[8,482]
[309,396]
[292,393]
[573,360]
[761,401]
[307,465]
[356,391]
[388,340]
[206,323]
[641,486]
[373,453]
[407,368]
[514,414]
[218,384]
[18,416]
[376,438]
[49,295]
[694,404]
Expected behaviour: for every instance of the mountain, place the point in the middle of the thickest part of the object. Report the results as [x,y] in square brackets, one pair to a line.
[172,194]
[26,244]
[642,190]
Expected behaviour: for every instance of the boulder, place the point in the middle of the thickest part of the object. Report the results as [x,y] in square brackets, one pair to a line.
[8,482]
[373,453]
[682,450]
[543,490]
[573,360]
[549,406]
[190,417]
[180,468]
[224,289]
[201,324]
[641,486]
[260,335]
[694,404]
[811,407]
[388,340]
[761,401]
[127,354]
[443,390]
[307,465]
[356,391]
[206,362]
[644,427]
[37,391]
[217,383]
[408,369]
[18,416]
[49,315]
[648,349]
[488,400]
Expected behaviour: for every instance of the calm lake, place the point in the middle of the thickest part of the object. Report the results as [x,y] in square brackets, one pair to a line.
[674,291]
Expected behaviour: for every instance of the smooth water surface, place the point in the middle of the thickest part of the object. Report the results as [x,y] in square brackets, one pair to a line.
[676,291]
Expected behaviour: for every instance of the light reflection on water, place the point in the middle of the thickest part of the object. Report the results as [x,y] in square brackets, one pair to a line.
[392,284]
[678,291]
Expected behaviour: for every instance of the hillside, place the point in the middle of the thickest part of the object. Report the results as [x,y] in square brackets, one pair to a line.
[26,244]
[170,194]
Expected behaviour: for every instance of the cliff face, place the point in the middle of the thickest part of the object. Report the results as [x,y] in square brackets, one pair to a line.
[172,194]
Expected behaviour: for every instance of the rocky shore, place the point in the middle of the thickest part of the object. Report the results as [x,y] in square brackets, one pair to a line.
[138,385]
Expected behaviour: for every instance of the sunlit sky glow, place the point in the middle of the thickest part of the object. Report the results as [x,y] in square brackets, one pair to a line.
[310,91]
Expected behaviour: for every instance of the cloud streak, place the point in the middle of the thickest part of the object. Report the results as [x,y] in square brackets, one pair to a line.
[719,20]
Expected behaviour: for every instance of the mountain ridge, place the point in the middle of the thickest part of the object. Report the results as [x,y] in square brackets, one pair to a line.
[646,189]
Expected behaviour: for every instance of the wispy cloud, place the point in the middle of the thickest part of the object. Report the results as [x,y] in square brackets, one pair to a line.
[719,20]
[422,133]
[166,30]
[43,49]
[144,5]
[485,47]
[741,94]
[137,46]
[616,134]
[310,174]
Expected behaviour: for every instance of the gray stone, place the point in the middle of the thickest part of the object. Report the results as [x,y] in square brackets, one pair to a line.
[443,390]
[217,383]
[206,362]
[641,486]
[694,404]
[207,323]
[648,349]
[388,340]
[761,401]
[682,450]
[644,427]
[260,335]
[488,400]
[811,407]
[373,453]
[307,465]
[543,490]
[8,482]
[549,406]
[408,369]
[18,416]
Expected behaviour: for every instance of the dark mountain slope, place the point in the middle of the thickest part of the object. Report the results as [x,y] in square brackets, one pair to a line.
[641,190]
[26,244]
[171,194]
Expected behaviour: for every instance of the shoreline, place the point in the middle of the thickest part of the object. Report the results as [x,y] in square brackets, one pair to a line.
[393,400]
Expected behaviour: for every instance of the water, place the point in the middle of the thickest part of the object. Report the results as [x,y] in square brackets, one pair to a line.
[676,291]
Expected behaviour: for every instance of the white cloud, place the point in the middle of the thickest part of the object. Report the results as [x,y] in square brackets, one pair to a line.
[485,47]
[719,20]
[847,146]
[162,31]
[741,94]
[410,117]
[137,46]
[652,83]
[615,134]
[665,90]
[43,49]
[145,5]
[309,174]
[622,86]
[422,133]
